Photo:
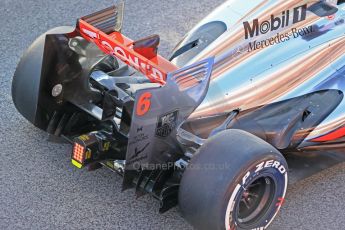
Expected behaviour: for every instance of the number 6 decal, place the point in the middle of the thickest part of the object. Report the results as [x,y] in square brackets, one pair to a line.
[144,104]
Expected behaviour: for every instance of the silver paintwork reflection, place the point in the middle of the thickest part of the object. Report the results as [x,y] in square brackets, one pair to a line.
[301,65]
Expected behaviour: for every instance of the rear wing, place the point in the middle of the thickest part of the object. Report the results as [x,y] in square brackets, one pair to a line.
[103,29]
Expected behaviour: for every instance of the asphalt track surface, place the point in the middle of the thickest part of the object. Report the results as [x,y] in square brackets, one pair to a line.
[39,187]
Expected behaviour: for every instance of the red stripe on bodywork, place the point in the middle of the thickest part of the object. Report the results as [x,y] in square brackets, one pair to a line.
[334,135]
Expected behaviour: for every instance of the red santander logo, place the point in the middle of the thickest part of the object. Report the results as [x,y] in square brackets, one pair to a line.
[121,52]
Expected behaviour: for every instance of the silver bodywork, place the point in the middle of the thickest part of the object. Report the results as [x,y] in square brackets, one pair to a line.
[245,78]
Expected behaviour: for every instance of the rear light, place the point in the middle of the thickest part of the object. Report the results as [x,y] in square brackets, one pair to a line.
[78,153]
[87,145]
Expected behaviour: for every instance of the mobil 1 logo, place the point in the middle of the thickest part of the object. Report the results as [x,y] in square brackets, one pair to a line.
[275,22]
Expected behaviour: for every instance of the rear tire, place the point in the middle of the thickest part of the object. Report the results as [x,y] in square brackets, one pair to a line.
[235,181]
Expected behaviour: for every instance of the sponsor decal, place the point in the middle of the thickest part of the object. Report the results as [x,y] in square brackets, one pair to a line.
[276,22]
[271,164]
[265,164]
[138,138]
[257,28]
[166,124]
[124,54]
[280,38]
[140,129]
[137,151]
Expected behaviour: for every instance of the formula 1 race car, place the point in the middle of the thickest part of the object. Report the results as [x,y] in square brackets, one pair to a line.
[255,87]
